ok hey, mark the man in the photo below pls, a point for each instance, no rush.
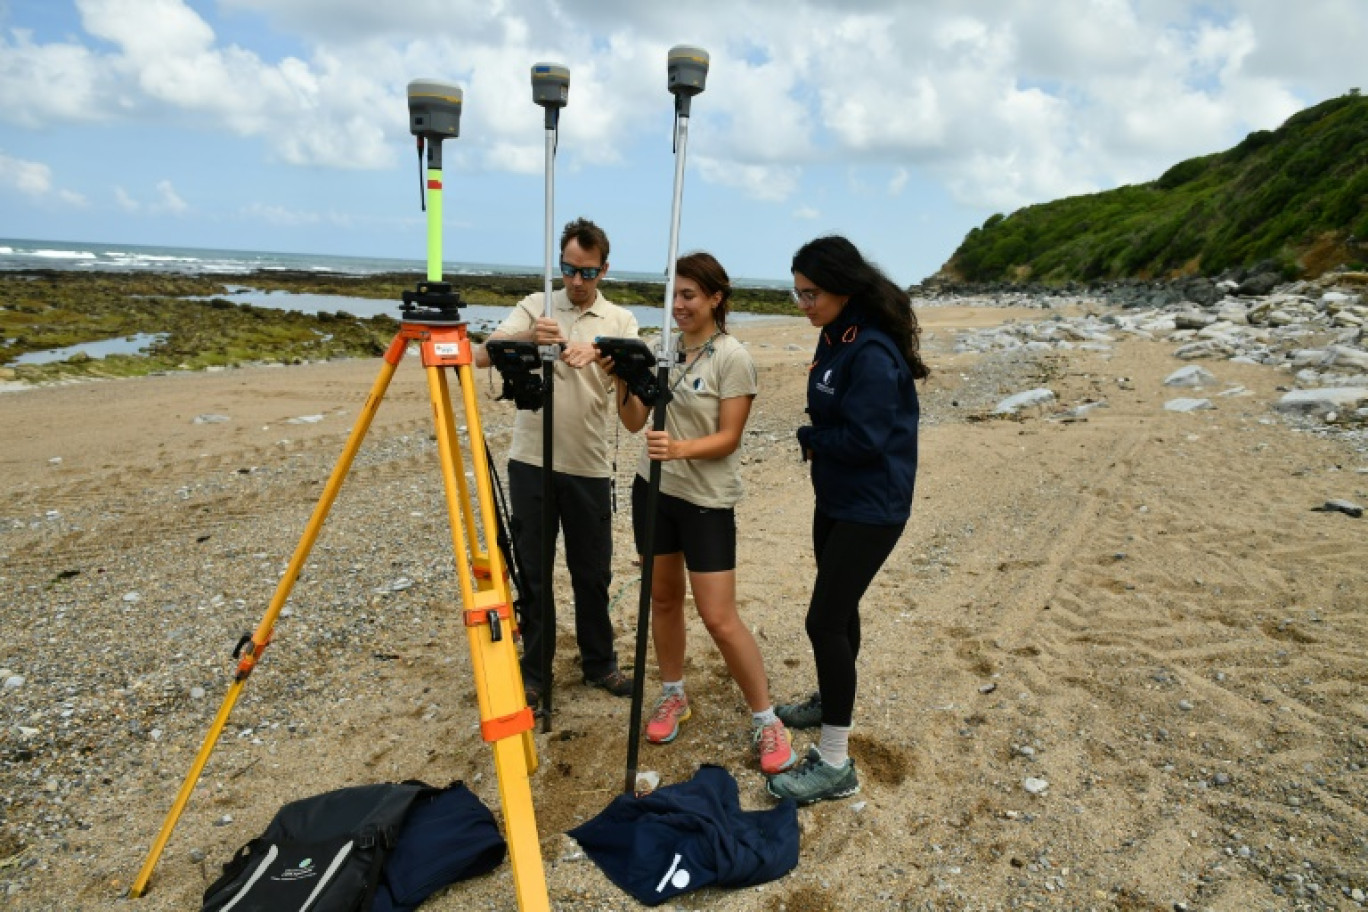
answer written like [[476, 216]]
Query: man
[[584, 400]]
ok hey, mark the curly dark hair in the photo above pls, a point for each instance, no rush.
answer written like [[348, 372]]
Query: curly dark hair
[[704, 269], [837, 266], [588, 235]]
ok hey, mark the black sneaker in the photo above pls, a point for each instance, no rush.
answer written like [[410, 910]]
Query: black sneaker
[[617, 682], [807, 714], [532, 694]]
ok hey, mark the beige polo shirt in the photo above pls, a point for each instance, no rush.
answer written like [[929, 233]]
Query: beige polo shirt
[[583, 413], [725, 372]]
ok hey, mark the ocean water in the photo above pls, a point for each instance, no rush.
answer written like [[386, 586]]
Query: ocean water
[[19, 253]]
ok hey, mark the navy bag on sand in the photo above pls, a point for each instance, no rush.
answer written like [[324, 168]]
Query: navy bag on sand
[[690, 835], [448, 835], [323, 853], [383, 848]]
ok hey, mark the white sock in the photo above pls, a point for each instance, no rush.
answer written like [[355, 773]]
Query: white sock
[[672, 687], [764, 717], [834, 744]]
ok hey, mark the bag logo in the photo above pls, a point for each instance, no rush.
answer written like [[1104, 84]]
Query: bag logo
[[824, 384], [302, 871]]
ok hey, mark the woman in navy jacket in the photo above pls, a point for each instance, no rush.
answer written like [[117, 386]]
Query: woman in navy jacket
[[862, 445]]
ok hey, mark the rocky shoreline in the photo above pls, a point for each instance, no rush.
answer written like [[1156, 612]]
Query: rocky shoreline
[[1313, 331]]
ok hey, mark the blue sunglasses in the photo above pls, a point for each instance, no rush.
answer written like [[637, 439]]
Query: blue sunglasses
[[588, 273]]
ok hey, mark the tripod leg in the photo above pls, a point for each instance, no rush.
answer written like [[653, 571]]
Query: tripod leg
[[251, 650], [505, 719]]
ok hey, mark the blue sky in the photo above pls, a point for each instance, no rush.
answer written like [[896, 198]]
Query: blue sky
[[283, 124]]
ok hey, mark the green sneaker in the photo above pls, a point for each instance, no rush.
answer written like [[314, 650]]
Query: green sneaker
[[807, 714], [815, 780]]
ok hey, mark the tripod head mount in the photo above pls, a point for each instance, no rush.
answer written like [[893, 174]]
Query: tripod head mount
[[687, 68], [433, 304]]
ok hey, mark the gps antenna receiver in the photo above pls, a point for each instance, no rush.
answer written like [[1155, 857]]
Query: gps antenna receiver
[[688, 74]]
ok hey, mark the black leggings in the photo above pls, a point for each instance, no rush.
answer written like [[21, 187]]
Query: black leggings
[[849, 555]]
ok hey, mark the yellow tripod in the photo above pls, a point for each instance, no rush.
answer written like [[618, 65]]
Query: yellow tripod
[[506, 722]]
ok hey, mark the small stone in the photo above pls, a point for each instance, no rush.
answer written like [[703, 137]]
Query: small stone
[[1185, 705], [1034, 785], [197, 693], [14, 682], [647, 781]]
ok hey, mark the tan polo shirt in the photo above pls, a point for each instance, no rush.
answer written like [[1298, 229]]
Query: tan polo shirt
[[584, 415], [725, 372]]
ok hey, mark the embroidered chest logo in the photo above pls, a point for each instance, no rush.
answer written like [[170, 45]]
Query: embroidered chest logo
[[824, 384]]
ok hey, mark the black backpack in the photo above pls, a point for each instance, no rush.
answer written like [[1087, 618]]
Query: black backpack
[[324, 853]]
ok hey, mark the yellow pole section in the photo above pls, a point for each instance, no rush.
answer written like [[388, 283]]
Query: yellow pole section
[[434, 224], [447, 447], [262, 636], [479, 455], [188, 786], [476, 552], [497, 576]]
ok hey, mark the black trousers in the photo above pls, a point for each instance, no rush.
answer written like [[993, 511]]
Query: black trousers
[[582, 509], [849, 556]]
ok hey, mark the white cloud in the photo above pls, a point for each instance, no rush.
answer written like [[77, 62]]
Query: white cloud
[[168, 200], [898, 182], [29, 178], [1006, 101], [165, 201], [42, 84], [126, 202], [807, 213], [279, 216], [762, 182], [34, 180]]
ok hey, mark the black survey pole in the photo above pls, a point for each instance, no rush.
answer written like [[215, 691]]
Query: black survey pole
[[551, 90], [687, 69]]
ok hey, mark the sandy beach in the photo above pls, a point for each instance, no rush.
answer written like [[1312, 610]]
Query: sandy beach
[[1117, 661]]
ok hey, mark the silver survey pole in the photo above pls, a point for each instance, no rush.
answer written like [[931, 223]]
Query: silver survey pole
[[551, 90], [667, 329], [688, 71]]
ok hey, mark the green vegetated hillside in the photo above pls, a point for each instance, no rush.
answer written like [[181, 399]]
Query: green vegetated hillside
[[1297, 196]]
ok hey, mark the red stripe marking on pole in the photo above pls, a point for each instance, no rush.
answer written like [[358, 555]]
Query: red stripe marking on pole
[[434, 184]]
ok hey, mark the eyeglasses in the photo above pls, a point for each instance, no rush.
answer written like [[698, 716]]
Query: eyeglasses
[[807, 296], [588, 273]]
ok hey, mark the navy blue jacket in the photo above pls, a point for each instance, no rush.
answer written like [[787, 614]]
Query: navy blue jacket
[[689, 835], [862, 400]]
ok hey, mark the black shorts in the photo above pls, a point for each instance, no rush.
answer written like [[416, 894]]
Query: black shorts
[[706, 535]]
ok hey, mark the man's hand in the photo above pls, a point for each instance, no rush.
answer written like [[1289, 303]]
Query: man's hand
[[546, 331], [579, 354]]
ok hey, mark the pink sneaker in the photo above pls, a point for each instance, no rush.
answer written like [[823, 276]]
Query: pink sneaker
[[773, 743], [670, 710]]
